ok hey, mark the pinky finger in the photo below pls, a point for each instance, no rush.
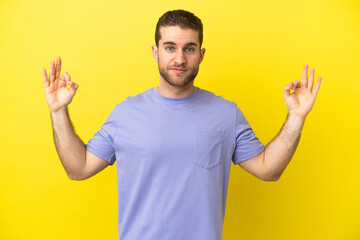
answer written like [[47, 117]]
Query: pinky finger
[[317, 86]]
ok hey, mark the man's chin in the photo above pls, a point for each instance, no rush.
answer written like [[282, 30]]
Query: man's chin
[[179, 83], [177, 80]]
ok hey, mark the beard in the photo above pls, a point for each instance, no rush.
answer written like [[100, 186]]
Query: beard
[[186, 79]]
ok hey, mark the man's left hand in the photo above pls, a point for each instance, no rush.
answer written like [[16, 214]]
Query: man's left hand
[[301, 101]]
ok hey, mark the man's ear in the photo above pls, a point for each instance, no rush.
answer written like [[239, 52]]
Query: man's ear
[[154, 50], [202, 53]]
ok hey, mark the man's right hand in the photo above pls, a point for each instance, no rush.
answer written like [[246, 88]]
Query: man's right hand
[[58, 95]]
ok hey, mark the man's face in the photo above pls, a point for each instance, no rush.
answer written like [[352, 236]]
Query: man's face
[[178, 55]]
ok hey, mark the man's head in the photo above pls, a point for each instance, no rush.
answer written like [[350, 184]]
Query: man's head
[[181, 18], [178, 47]]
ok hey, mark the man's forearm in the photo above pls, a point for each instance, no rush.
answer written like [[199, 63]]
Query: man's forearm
[[280, 150], [69, 146]]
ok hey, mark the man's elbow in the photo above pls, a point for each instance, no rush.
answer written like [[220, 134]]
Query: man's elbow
[[271, 177], [269, 174], [75, 177]]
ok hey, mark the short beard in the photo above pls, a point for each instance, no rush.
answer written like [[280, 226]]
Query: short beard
[[187, 80]]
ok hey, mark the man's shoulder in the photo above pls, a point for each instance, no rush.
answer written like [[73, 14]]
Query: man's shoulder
[[214, 98], [136, 99]]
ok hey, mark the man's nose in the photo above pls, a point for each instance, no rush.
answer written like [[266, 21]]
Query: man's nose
[[180, 58]]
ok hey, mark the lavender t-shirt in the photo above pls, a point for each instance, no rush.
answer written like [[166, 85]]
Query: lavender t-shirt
[[173, 160]]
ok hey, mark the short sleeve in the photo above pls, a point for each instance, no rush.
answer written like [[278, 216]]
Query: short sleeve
[[102, 143], [247, 145]]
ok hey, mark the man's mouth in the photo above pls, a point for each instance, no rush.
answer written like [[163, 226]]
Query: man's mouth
[[178, 70]]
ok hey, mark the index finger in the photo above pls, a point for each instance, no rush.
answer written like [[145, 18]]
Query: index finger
[[58, 67]]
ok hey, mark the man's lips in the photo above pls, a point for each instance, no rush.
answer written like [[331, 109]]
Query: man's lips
[[178, 70]]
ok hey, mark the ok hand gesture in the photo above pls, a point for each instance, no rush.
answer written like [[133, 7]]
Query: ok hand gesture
[[301, 101], [58, 95]]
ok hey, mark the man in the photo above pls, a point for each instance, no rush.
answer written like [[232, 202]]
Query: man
[[174, 143]]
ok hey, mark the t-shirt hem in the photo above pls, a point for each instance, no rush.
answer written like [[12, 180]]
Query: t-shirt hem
[[261, 148], [99, 155]]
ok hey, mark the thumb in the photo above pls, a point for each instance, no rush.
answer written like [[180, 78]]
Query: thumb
[[287, 89], [73, 86]]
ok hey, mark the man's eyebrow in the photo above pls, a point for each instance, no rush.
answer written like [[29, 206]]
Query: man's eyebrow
[[172, 43], [187, 44], [191, 44]]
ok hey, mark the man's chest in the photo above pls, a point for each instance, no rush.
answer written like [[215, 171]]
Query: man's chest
[[171, 137]]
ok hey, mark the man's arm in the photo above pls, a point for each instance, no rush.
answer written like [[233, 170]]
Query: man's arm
[[270, 164], [79, 164]]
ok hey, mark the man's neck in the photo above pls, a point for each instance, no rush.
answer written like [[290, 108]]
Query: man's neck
[[169, 91]]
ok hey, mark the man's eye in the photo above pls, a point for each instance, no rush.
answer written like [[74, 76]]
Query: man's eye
[[169, 48], [189, 49]]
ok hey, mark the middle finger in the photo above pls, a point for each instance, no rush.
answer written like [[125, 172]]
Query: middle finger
[[52, 71], [304, 76], [58, 67], [311, 79]]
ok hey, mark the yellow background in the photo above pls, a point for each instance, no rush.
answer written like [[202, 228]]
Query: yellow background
[[254, 48]]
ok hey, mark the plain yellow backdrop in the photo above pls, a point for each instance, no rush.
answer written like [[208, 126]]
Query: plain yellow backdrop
[[254, 48]]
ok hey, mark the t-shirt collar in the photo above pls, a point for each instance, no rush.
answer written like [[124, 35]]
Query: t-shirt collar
[[174, 100]]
